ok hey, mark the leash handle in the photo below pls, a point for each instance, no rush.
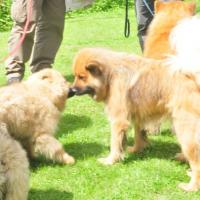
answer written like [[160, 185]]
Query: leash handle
[[127, 22], [24, 33]]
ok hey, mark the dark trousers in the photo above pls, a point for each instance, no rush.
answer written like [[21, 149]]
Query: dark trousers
[[144, 18]]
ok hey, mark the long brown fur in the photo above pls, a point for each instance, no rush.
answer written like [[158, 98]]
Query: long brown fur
[[14, 168], [31, 110], [157, 44], [167, 15], [139, 90]]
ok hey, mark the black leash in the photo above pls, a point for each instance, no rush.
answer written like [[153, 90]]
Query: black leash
[[127, 22]]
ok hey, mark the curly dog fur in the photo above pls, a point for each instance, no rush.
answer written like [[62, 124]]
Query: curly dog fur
[[31, 110], [14, 168]]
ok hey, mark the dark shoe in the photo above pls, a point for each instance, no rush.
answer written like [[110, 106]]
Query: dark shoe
[[13, 80]]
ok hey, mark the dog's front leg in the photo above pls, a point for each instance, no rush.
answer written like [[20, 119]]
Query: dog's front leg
[[118, 139], [52, 149]]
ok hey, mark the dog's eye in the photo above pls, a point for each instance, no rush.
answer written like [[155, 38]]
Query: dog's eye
[[81, 77]]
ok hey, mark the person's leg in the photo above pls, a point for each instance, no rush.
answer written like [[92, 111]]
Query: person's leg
[[144, 17], [49, 34], [15, 64]]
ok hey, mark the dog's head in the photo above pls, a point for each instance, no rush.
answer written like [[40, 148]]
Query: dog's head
[[52, 84], [91, 71]]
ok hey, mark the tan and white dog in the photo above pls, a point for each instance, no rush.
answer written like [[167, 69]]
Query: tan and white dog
[[157, 42], [139, 90]]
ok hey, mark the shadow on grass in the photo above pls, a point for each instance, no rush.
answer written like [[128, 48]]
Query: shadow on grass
[[40, 162], [69, 78], [84, 150], [157, 149], [70, 123], [167, 132], [51, 194]]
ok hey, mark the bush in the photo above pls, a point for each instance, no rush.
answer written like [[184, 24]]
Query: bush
[[5, 19], [104, 5]]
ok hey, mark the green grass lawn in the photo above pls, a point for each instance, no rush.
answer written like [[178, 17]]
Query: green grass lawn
[[85, 133]]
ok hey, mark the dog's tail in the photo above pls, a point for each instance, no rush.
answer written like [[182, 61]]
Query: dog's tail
[[14, 168], [185, 40]]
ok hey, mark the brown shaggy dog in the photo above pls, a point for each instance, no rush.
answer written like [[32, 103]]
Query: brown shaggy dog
[[141, 90], [14, 168], [167, 15], [31, 111], [157, 44]]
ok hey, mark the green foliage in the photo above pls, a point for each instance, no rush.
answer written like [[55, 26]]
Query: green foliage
[[5, 19], [105, 5]]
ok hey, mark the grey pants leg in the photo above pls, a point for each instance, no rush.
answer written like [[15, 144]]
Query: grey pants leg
[[15, 65], [144, 18], [43, 39], [49, 34]]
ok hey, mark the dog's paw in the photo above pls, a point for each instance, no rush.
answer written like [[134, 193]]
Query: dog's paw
[[106, 161], [131, 149], [188, 187], [68, 159], [134, 149]]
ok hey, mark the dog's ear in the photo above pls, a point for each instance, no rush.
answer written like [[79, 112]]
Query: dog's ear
[[46, 75], [192, 7], [158, 5], [94, 69]]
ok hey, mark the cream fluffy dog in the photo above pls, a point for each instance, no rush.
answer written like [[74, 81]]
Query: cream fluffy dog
[[31, 111], [186, 45], [14, 168]]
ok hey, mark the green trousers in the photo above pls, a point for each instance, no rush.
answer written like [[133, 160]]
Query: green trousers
[[43, 38]]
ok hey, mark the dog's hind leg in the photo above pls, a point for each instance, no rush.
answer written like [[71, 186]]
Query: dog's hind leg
[[192, 152], [14, 166], [2, 183], [52, 149], [187, 127], [141, 140]]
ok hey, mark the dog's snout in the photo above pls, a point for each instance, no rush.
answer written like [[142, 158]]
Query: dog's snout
[[71, 92], [80, 91]]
